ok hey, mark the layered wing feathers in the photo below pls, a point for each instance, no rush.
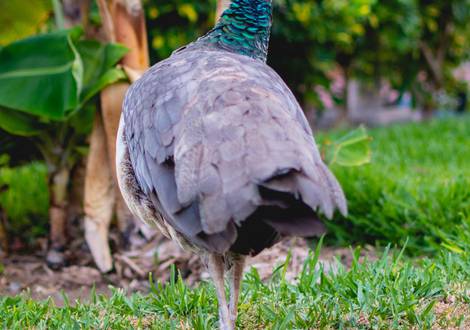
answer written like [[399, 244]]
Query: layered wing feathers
[[206, 129]]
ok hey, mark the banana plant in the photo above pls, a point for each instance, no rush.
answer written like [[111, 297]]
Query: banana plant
[[48, 85]]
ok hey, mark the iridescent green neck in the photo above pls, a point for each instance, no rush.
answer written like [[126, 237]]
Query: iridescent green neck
[[244, 28]]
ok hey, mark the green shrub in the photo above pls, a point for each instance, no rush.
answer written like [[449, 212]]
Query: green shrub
[[417, 187], [26, 200]]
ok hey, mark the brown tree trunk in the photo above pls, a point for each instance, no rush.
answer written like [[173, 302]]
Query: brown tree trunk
[[99, 197], [111, 104], [435, 57], [129, 29], [123, 22]]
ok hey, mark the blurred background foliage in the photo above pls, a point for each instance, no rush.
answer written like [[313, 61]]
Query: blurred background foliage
[[413, 44], [18, 21], [370, 40]]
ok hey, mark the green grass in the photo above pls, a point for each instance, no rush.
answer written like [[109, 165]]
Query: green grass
[[390, 293], [417, 187]]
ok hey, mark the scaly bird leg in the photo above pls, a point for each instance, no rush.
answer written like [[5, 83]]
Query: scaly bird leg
[[236, 276], [215, 265]]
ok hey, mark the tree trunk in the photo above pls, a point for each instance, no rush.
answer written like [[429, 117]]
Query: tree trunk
[[129, 26], [111, 104], [123, 22], [98, 198], [58, 193], [435, 57], [130, 30], [76, 191]]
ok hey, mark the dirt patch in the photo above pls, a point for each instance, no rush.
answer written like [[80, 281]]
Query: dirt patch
[[131, 269], [451, 314]]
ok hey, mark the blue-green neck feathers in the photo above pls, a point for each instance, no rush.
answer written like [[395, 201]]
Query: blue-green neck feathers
[[244, 28]]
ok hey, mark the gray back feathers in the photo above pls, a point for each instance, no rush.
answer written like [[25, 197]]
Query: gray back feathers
[[206, 128]]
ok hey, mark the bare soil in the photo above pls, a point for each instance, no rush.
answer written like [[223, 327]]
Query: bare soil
[[30, 274]]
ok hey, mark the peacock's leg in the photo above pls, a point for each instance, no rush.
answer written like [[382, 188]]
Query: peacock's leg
[[236, 276], [215, 265]]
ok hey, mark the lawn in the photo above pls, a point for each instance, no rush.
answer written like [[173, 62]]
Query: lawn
[[415, 194], [416, 188], [391, 293]]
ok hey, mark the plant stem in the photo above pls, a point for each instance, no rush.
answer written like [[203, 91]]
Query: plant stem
[[58, 184], [3, 233], [58, 14]]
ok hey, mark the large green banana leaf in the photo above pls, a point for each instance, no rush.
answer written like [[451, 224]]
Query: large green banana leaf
[[51, 77], [99, 61], [42, 75], [18, 123]]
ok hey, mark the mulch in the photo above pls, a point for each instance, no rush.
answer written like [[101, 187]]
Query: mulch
[[29, 274]]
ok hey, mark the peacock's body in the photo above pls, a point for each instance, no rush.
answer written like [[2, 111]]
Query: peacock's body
[[214, 149]]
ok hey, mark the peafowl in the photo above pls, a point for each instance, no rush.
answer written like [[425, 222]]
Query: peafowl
[[215, 151]]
